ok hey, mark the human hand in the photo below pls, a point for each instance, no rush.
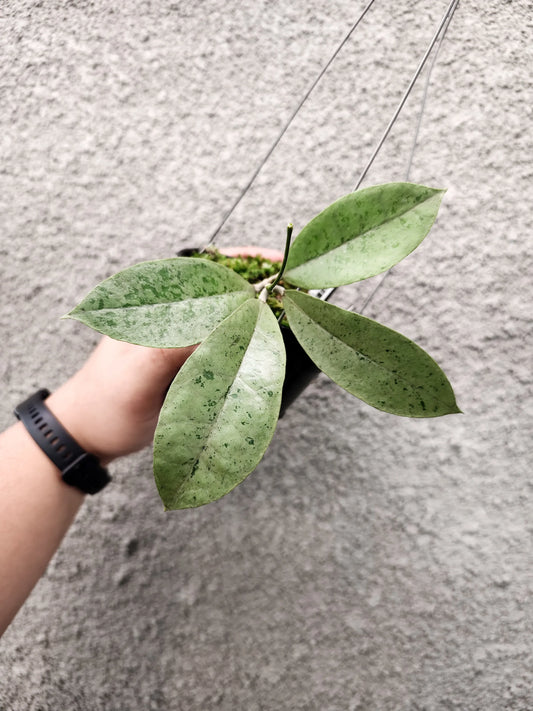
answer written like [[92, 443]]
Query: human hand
[[111, 405]]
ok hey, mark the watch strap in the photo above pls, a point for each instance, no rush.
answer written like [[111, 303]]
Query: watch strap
[[78, 468]]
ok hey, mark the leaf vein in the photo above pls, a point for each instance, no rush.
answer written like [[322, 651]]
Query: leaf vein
[[405, 380]]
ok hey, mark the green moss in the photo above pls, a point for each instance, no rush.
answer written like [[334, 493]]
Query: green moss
[[253, 269]]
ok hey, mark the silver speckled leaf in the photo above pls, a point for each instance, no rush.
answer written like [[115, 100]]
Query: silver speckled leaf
[[362, 234], [167, 303], [221, 410], [370, 361]]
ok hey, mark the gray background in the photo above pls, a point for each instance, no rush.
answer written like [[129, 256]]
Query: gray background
[[370, 562]]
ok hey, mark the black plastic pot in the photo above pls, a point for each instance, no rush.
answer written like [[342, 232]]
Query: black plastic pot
[[300, 369], [299, 372]]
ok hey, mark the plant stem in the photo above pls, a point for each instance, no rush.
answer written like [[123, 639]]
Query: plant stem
[[285, 257]]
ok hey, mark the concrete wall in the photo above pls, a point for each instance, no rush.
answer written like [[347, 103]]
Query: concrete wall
[[370, 562]]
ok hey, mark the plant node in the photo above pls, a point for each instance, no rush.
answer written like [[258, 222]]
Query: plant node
[[264, 283]]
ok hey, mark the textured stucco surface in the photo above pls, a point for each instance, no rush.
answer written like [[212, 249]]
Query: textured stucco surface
[[370, 562]]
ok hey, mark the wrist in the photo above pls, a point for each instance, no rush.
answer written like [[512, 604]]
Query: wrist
[[19, 446], [76, 412], [78, 467]]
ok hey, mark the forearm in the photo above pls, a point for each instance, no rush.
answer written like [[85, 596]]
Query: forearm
[[110, 407], [36, 510]]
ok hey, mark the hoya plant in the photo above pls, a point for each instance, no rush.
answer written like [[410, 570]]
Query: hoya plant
[[221, 410]]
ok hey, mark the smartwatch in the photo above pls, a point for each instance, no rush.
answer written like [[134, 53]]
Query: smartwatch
[[78, 468]]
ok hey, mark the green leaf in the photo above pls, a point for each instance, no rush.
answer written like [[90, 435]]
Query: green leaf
[[221, 410], [370, 361], [362, 234], [165, 303]]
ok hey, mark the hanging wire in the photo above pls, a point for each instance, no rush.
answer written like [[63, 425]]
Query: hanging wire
[[448, 19], [443, 25], [439, 35], [425, 93], [288, 123]]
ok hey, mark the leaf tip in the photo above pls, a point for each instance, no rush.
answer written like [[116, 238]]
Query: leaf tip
[[453, 409]]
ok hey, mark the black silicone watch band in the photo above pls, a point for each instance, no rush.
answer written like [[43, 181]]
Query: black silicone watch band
[[78, 467]]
